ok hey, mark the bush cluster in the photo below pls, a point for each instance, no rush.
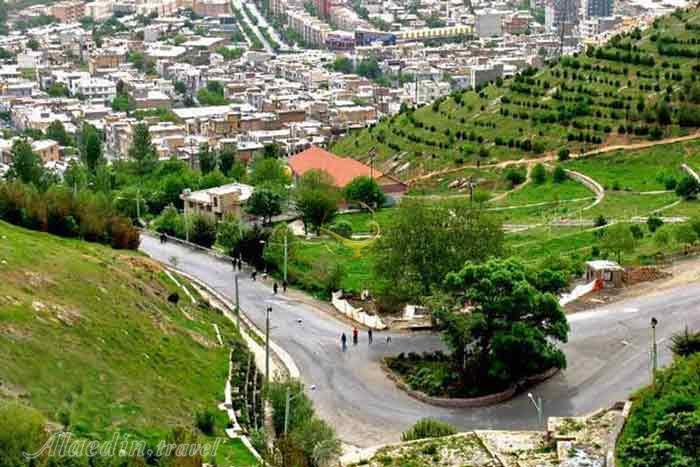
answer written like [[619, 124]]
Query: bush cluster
[[64, 212]]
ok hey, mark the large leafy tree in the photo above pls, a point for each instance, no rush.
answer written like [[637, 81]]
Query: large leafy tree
[[57, 132], [268, 171], [511, 326], [425, 241], [207, 159], [618, 239], [265, 203], [91, 150], [25, 164], [316, 198], [142, 151], [364, 190]]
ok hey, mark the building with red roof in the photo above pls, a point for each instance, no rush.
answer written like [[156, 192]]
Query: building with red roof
[[342, 170]]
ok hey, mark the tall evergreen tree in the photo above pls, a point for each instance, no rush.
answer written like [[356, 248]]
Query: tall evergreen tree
[[142, 151]]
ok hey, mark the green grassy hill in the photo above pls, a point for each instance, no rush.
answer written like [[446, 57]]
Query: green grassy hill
[[89, 338], [641, 86]]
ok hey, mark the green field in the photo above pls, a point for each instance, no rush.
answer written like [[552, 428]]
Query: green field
[[88, 337], [641, 81], [642, 170]]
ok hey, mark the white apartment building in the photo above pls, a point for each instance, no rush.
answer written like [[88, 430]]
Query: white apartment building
[[96, 89], [99, 10], [30, 59]]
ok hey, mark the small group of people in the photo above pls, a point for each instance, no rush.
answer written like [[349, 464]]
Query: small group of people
[[237, 264], [355, 338], [275, 287]]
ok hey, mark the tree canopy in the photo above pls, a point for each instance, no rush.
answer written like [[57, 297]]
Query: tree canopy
[[316, 198], [511, 326], [426, 241]]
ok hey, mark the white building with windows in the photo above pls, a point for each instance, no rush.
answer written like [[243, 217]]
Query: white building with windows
[[96, 89]]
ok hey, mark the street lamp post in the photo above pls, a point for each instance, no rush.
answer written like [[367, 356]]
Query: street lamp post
[[238, 307], [538, 406], [287, 407], [654, 355], [267, 346], [285, 244]]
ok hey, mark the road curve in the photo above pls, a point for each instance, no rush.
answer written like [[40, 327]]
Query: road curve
[[608, 354]]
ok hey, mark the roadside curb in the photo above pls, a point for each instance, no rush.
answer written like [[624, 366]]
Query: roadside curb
[[282, 355], [472, 402]]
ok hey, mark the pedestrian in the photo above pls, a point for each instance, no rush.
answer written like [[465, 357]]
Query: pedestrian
[[344, 342], [388, 339], [284, 286], [354, 336], [274, 288], [240, 264], [369, 335], [253, 274], [233, 263]]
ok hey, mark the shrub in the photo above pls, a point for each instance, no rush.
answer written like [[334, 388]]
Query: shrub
[[637, 231], [564, 154], [688, 187], [559, 175], [123, 234], [515, 176], [428, 428], [654, 222], [205, 422], [202, 230], [342, 228], [685, 343], [539, 174], [600, 221]]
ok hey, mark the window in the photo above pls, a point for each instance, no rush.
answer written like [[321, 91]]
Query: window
[[607, 276]]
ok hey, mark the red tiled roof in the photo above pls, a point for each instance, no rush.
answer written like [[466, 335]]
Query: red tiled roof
[[342, 169]]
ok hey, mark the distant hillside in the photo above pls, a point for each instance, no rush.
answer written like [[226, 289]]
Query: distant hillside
[[89, 338], [638, 87]]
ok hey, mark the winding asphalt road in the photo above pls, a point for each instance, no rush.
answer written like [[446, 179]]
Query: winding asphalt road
[[608, 354]]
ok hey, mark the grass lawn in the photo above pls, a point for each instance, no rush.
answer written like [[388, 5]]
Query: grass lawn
[[486, 179], [362, 221], [310, 256], [87, 336], [548, 191], [643, 170], [539, 214], [234, 453], [623, 205]]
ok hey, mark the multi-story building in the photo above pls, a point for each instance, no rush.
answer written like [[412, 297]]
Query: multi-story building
[[30, 59], [99, 10], [106, 58], [68, 11], [214, 8], [489, 23], [599, 8], [96, 89], [219, 201], [561, 14]]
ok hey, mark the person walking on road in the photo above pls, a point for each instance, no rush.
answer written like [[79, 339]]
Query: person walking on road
[[284, 286], [274, 288], [369, 335], [344, 342], [354, 336], [253, 274]]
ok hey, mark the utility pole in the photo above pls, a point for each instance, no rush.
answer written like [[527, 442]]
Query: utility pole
[[138, 205], [267, 346], [654, 354], [238, 307], [286, 412], [286, 251], [538, 406]]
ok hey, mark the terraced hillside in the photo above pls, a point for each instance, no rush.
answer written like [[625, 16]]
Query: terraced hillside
[[89, 338], [641, 86]]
